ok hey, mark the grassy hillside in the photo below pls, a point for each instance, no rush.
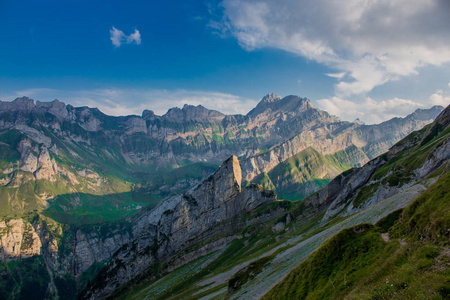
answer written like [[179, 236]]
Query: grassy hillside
[[307, 172], [411, 263]]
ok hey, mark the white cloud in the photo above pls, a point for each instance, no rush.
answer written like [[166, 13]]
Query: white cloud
[[134, 37], [369, 111], [369, 43], [119, 102], [118, 37], [439, 99], [373, 112], [449, 84]]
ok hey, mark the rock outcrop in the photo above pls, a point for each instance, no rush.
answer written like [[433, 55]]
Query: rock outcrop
[[18, 239], [213, 207]]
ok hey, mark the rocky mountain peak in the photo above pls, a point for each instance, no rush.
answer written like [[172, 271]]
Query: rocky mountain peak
[[21, 103], [24, 101], [221, 186], [54, 107], [300, 103], [426, 114], [270, 98], [358, 121], [148, 115], [232, 169], [288, 104]]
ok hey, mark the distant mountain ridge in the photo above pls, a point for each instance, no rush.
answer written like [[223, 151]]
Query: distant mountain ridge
[[137, 149]]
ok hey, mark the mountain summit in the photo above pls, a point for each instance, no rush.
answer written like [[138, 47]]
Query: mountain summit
[[274, 103]]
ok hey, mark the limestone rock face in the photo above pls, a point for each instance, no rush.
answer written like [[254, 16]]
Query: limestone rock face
[[211, 207], [28, 161], [135, 125], [190, 113], [47, 168], [56, 108], [215, 200], [23, 103], [18, 239]]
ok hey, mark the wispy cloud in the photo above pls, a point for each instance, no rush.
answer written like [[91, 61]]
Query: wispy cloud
[[119, 102], [336, 75], [369, 43], [118, 37]]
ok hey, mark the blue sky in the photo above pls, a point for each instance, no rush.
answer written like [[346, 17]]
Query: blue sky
[[370, 62]]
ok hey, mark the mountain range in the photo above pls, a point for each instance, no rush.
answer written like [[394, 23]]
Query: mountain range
[[99, 204], [65, 158]]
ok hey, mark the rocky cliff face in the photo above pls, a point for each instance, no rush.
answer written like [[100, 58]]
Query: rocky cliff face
[[18, 239], [211, 208], [72, 253]]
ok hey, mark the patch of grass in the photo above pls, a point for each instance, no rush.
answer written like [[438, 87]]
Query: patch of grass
[[399, 169]]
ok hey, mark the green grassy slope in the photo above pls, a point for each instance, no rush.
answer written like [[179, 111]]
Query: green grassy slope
[[357, 263], [307, 172]]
